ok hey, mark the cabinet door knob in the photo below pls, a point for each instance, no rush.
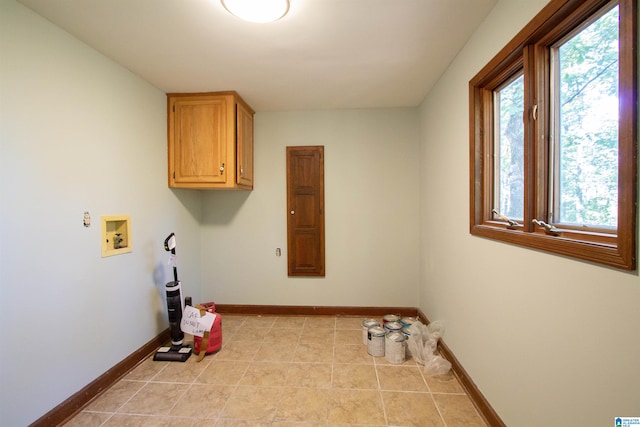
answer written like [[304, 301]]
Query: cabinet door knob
[[293, 212], [222, 168]]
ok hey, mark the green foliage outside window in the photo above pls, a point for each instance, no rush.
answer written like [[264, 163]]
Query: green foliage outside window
[[588, 128]]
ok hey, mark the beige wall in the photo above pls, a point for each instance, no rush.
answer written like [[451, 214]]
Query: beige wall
[[550, 341], [78, 133], [371, 214]]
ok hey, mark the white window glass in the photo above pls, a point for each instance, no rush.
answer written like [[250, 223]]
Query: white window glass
[[509, 150], [586, 168]]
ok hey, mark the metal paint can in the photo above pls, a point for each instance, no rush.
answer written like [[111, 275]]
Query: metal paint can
[[375, 341], [366, 324], [393, 326], [408, 321], [407, 334], [395, 346], [390, 318]]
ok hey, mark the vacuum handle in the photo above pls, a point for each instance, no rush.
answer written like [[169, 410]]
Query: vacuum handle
[[170, 243]]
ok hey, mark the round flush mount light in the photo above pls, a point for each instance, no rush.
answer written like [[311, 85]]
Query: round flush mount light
[[257, 10]]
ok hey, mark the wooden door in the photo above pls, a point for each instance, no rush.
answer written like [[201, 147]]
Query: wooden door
[[244, 172], [305, 210], [198, 140]]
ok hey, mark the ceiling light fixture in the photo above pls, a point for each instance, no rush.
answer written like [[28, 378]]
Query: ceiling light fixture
[[257, 10]]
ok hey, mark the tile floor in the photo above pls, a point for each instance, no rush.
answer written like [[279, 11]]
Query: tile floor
[[283, 371]]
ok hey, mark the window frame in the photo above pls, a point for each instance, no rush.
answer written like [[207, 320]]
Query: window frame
[[529, 52], [497, 142]]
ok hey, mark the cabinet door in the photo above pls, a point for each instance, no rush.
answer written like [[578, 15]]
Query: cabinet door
[[244, 172], [200, 140]]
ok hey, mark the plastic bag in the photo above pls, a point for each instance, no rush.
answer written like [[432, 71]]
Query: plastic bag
[[423, 343], [437, 365]]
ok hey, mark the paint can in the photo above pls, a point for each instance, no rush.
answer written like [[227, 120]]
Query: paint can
[[390, 318], [375, 341], [408, 321], [395, 346], [407, 335], [366, 324], [393, 326]]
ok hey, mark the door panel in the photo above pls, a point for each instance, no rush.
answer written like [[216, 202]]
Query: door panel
[[244, 171], [200, 140], [305, 211]]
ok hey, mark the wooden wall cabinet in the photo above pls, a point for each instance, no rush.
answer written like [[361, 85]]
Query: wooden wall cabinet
[[210, 138]]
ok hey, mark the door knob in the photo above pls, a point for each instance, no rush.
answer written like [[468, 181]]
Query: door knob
[[293, 212]]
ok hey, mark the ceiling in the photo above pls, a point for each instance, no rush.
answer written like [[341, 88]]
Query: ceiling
[[324, 54]]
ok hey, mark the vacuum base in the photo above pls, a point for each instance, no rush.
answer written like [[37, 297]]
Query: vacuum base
[[175, 353]]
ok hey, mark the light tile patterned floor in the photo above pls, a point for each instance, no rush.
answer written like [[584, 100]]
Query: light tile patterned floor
[[283, 371]]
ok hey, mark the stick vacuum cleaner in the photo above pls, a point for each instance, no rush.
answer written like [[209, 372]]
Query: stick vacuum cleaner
[[177, 352]]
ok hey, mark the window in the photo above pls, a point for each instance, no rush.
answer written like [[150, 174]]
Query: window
[[553, 135], [509, 166]]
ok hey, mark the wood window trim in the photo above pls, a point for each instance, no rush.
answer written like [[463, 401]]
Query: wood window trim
[[528, 50]]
